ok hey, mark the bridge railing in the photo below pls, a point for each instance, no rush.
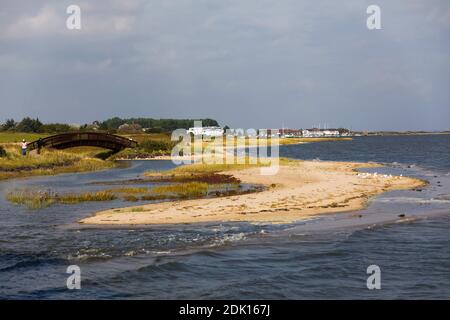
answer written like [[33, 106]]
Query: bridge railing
[[100, 139]]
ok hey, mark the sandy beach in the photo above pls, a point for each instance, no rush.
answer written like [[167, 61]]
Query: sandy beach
[[299, 190]]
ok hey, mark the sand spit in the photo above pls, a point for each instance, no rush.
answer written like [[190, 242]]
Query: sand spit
[[299, 190]]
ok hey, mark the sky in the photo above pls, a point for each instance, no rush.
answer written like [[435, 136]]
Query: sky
[[245, 63]]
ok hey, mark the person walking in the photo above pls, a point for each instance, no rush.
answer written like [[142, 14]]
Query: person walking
[[24, 147], [39, 146]]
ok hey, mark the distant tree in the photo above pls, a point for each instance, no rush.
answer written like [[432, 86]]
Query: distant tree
[[209, 123], [29, 125], [56, 128], [155, 145], [10, 124], [111, 124], [166, 125], [154, 130], [343, 130]]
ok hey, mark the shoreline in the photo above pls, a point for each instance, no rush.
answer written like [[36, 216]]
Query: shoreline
[[300, 190], [282, 142], [91, 164]]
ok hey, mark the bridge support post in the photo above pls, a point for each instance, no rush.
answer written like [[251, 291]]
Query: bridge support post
[[39, 146]]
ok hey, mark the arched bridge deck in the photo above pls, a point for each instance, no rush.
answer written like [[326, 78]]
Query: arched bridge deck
[[78, 139]]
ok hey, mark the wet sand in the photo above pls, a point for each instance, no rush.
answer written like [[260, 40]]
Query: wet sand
[[300, 189]]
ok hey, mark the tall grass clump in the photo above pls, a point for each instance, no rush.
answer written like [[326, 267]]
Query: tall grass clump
[[48, 159], [86, 197], [202, 168], [129, 191], [38, 199], [182, 190], [32, 199]]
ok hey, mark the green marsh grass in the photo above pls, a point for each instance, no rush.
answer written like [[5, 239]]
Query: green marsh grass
[[37, 199], [182, 190], [86, 197], [49, 162], [129, 191], [32, 199], [131, 198]]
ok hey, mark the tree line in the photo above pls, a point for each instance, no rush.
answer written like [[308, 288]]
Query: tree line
[[163, 125], [111, 125], [34, 126]]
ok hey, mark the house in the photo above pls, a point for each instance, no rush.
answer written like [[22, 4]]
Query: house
[[319, 133], [206, 131], [130, 128], [290, 133]]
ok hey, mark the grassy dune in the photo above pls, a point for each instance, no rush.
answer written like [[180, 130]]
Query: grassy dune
[[49, 162]]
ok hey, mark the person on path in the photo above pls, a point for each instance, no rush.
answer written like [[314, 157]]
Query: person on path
[[24, 147]]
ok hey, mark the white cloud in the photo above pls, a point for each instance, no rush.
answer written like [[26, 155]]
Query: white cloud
[[50, 21], [44, 22]]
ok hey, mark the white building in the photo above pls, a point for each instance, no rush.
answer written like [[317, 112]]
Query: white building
[[206, 131], [331, 133], [317, 133]]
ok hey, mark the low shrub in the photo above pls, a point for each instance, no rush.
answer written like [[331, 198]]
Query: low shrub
[[2, 152], [156, 145]]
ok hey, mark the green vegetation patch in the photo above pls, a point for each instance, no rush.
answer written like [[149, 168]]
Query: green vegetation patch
[[129, 191], [38, 199], [150, 146], [32, 199], [182, 190], [49, 162], [210, 178], [16, 137]]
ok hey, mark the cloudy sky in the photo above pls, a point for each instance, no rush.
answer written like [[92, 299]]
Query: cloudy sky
[[246, 63]]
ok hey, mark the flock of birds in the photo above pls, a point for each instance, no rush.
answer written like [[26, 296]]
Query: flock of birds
[[366, 175]]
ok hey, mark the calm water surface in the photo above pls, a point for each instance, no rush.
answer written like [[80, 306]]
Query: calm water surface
[[320, 258]]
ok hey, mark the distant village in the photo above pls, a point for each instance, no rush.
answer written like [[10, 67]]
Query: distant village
[[267, 133], [211, 128], [216, 131]]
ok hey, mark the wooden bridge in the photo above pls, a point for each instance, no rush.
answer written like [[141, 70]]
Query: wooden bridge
[[78, 139]]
